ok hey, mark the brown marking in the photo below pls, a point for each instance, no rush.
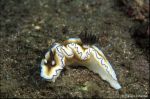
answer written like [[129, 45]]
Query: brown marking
[[75, 58], [53, 57], [49, 61]]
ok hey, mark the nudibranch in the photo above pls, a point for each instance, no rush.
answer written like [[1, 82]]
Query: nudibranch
[[75, 50]]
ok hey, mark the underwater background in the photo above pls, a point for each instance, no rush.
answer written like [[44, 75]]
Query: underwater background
[[29, 27]]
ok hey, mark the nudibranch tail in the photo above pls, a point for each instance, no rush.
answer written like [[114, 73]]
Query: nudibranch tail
[[74, 51], [100, 65]]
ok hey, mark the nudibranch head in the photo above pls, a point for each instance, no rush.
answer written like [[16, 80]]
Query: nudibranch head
[[49, 63], [78, 51]]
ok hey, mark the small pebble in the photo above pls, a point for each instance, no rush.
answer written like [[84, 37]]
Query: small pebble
[[37, 27]]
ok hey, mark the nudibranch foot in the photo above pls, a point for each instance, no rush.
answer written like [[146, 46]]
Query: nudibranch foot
[[75, 51]]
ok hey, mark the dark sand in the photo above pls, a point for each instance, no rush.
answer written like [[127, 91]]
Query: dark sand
[[28, 28]]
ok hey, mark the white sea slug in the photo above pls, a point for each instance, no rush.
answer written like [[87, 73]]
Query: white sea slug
[[76, 50]]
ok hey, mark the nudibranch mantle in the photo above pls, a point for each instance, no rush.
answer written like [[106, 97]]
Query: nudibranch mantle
[[73, 51]]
